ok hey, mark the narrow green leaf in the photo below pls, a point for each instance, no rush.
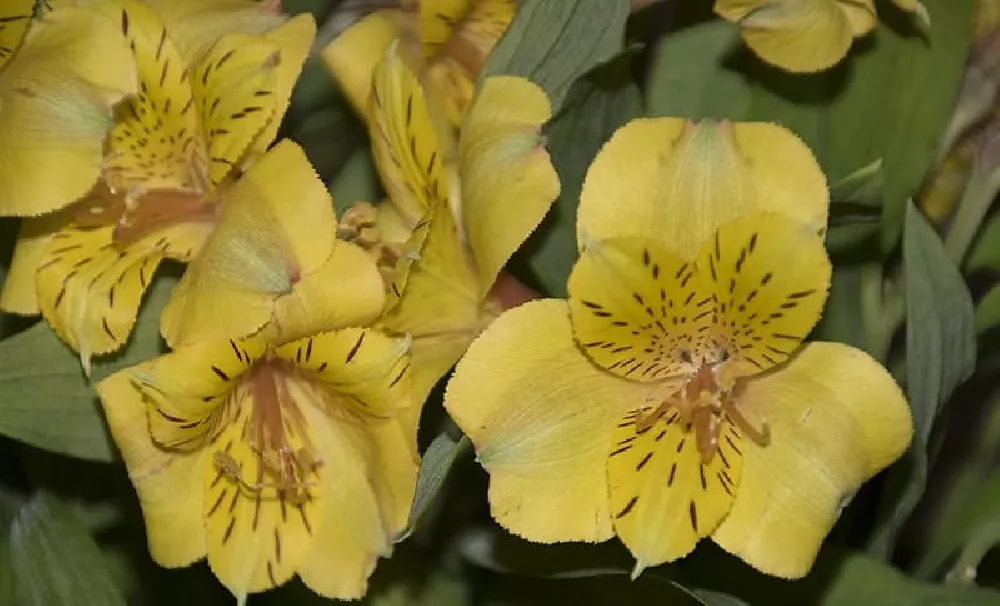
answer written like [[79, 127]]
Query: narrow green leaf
[[985, 253], [53, 560], [441, 454], [555, 43], [46, 401], [988, 310], [595, 107], [940, 354], [890, 99], [863, 187]]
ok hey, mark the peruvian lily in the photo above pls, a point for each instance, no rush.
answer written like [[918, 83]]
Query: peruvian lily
[[271, 461], [449, 39], [671, 398], [273, 263], [60, 77], [174, 151], [806, 35], [468, 216]]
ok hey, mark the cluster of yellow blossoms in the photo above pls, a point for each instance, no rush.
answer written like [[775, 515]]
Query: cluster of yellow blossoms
[[669, 399]]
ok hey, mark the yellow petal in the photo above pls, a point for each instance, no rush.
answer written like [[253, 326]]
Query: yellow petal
[[235, 90], [257, 536], [639, 311], [20, 291], [293, 39], [508, 181], [89, 291], [676, 182], [769, 279], [186, 392], [440, 307], [196, 24], [369, 456], [664, 497], [541, 417], [157, 140], [15, 16], [346, 291], [57, 96], [367, 371], [168, 484], [798, 35], [409, 149], [836, 418], [366, 494], [457, 36], [754, 292], [353, 55], [257, 252]]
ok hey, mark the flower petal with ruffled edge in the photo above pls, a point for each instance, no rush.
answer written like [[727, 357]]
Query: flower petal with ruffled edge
[[58, 93], [675, 181], [507, 179], [837, 418], [541, 417], [277, 228]]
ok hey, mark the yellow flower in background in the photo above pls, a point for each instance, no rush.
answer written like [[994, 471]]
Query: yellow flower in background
[[175, 149], [449, 39], [59, 87], [671, 398], [469, 215], [274, 263], [806, 35], [271, 462]]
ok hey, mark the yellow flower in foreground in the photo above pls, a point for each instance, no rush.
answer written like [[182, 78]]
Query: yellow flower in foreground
[[805, 35], [502, 186], [453, 37], [58, 90], [271, 461], [670, 398], [274, 263], [173, 153]]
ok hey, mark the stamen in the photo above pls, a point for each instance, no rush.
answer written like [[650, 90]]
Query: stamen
[[707, 425], [762, 436]]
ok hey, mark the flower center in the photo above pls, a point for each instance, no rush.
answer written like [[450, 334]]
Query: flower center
[[706, 406], [276, 433]]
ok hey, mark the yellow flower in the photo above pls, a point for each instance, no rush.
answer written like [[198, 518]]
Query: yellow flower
[[58, 88], [271, 462], [274, 263], [170, 159], [805, 35], [670, 398], [450, 39], [470, 215]]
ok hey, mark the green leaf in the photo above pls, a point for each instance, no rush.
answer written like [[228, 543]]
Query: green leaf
[[555, 43], [940, 354], [714, 598], [357, 182], [52, 560], [46, 401], [985, 253], [855, 208], [863, 187], [889, 100], [595, 107], [434, 467], [988, 310], [838, 578]]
